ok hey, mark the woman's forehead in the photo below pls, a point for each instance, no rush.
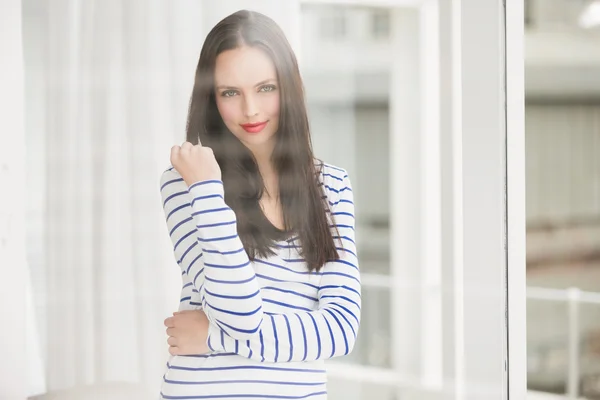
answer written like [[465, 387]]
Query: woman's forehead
[[243, 67]]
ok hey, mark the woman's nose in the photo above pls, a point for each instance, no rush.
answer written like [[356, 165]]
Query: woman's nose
[[250, 107]]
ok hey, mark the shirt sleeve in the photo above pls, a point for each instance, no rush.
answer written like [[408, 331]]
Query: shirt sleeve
[[187, 294], [203, 231], [327, 332]]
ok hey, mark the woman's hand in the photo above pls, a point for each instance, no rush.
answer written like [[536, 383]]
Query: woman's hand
[[188, 332], [195, 163]]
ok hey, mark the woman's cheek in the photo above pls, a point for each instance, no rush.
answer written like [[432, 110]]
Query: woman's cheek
[[273, 105], [227, 110], [230, 114]]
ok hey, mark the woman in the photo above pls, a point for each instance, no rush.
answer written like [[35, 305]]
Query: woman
[[263, 233]]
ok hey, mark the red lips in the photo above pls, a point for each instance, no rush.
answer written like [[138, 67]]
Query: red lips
[[254, 128]]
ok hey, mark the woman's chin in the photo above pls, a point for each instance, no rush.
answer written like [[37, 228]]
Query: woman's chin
[[259, 141]]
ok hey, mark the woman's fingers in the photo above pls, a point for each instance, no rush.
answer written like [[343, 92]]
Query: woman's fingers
[[186, 146]]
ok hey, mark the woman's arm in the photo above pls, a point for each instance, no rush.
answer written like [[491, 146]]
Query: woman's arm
[[327, 332], [203, 231]]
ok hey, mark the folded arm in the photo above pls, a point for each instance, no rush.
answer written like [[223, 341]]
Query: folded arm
[[203, 231], [327, 332]]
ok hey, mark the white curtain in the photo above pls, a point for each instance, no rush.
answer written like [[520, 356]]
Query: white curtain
[[14, 302], [107, 88]]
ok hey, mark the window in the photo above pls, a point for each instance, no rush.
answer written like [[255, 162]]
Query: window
[[380, 24]]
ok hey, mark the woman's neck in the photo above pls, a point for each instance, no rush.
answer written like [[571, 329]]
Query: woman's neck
[[267, 170], [268, 173], [270, 179]]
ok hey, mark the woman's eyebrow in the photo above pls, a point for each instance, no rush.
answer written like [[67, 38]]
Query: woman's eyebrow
[[220, 87], [265, 81]]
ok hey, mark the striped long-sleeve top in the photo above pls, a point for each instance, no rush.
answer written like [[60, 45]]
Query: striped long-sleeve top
[[272, 322]]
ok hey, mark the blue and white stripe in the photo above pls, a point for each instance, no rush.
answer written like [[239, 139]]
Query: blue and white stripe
[[272, 322]]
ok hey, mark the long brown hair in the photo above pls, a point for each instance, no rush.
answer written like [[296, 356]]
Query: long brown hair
[[305, 207]]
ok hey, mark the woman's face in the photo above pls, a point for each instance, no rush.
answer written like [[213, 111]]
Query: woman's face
[[247, 96]]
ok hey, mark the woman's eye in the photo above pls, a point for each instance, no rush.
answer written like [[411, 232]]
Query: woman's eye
[[228, 93], [267, 88]]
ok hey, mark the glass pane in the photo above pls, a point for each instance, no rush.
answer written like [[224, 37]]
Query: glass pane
[[373, 345], [562, 116], [103, 109], [332, 126], [348, 102], [547, 342], [348, 79], [589, 342]]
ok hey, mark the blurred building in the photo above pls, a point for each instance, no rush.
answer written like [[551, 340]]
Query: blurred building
[[563, 193]]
